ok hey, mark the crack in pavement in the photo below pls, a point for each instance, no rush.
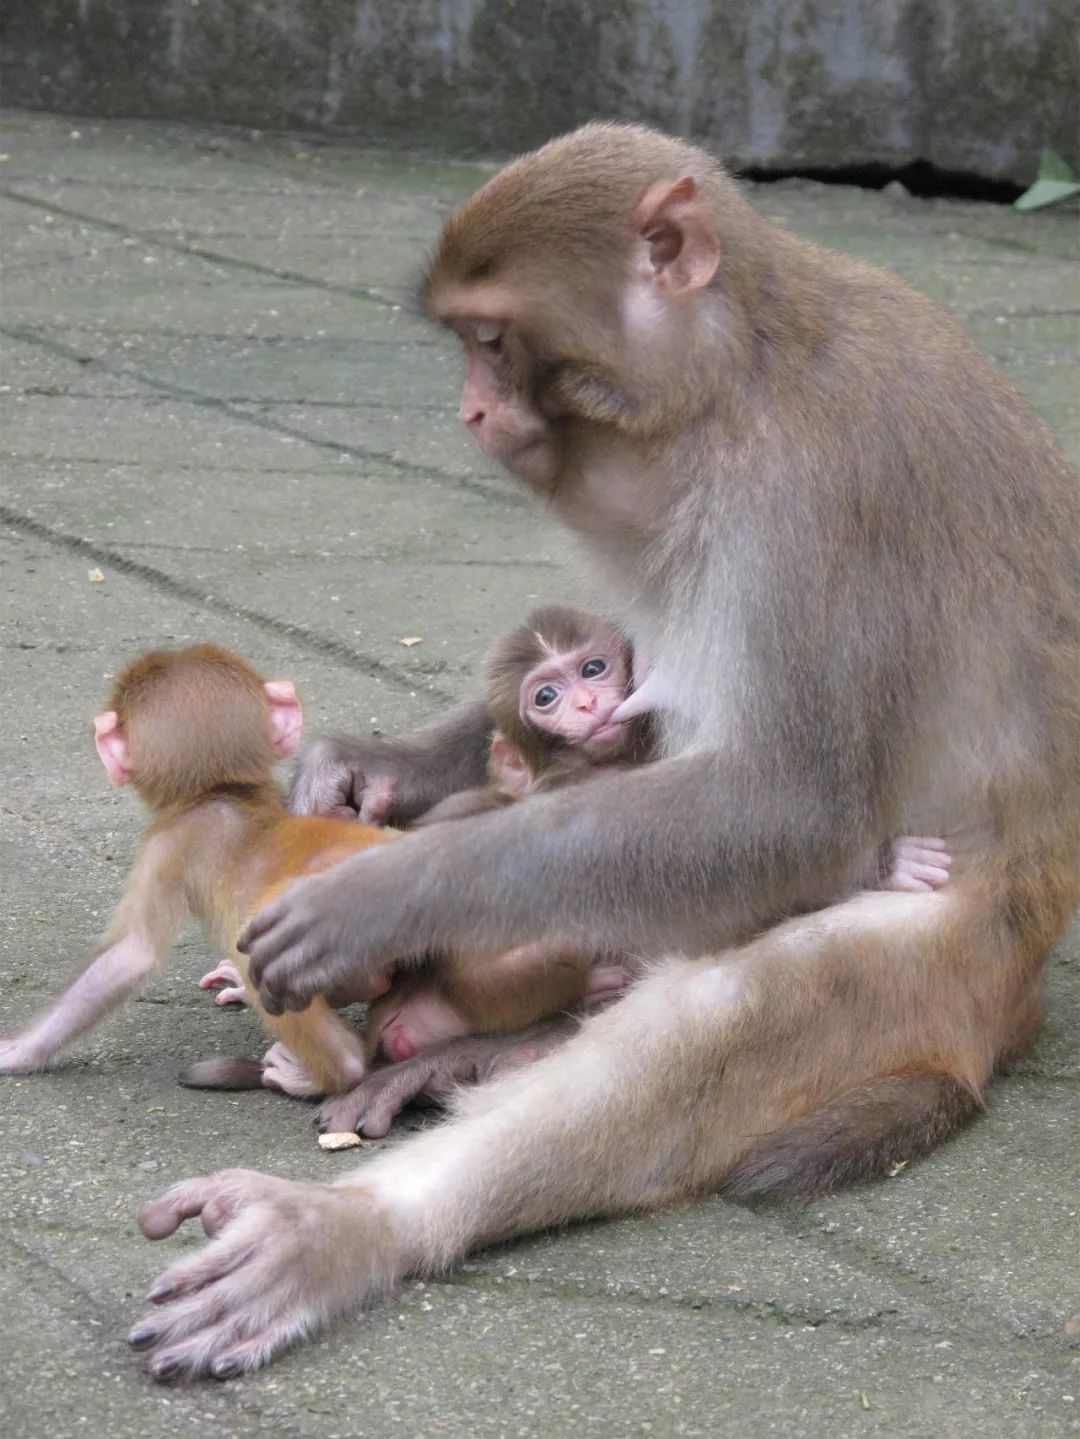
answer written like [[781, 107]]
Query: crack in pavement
[[200, 252], [184, 394], [302, 635], [190, 1401]]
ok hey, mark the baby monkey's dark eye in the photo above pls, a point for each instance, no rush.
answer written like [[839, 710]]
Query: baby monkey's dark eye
[[591, 668], [545, 697]]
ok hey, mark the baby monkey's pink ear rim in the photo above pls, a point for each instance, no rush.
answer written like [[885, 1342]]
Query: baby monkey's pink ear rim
[[286, 716], [112, 747]]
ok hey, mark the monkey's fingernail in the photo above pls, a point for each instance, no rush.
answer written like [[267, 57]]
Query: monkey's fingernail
[[165, 1368], [142, 1338], [160, 1292], [225, 1368]]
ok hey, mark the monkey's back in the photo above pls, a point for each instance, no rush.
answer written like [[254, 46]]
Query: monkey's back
[[299, 845]]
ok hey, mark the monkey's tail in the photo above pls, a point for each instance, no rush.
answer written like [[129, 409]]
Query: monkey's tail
[[854, 1138], [222, 1073]]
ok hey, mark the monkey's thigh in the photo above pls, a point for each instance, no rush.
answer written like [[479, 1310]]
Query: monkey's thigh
[[505, 992]]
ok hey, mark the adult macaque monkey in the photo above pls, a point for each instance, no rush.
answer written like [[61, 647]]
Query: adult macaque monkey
[[197, 732], [858, 549]]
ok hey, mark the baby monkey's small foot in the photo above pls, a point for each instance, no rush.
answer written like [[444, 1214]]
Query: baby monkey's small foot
[[281, 1070], [225, 973], [605, 981]]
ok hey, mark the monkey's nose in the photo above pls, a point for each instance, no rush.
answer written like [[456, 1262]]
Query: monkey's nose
[[471, 413]]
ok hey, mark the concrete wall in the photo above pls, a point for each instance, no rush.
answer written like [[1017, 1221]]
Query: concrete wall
[[975, 86]]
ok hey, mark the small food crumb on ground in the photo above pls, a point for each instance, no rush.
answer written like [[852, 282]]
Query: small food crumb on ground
[[346, 1140]]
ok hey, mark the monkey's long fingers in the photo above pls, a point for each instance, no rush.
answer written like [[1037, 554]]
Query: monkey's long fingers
[[372, 1106], [323, 784], [261, 927], [292, 1257], [216, 1197]]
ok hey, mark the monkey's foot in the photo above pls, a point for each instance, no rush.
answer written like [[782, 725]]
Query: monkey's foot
[[919, 865], [424, 1020], [283, 1260], [226, 973], [605, 981], [372, 1106], [282, 1070], [17, 1056]]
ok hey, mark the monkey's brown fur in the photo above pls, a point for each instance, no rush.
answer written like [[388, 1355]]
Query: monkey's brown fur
[[221, 843], [859, 550]]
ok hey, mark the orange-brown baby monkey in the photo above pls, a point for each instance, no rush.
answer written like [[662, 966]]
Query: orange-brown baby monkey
[[197, 732]]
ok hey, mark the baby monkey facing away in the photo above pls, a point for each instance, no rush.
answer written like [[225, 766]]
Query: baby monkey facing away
[[197, 732]]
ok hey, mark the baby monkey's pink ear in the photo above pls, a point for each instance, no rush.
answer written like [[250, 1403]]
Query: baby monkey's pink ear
[[508, 766], [286, 717], [111, 744]]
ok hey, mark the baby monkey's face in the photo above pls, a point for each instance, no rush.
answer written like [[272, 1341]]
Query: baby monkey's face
[[573, 695]]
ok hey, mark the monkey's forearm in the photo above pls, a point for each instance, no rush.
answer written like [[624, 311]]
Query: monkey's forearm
[[670, 856], [441, 759], [686, 854], [408, 775]]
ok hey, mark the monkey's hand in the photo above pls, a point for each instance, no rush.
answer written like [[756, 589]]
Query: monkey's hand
[[283, 1260], [338, 929], [372, 1106], [338, 777], [379, 780]]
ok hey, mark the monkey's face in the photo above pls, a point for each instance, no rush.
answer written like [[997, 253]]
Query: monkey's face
[[497, 403], [574, 695]]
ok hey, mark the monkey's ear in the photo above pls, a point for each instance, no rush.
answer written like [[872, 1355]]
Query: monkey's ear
[[286, 717], [681, 249], [110, 741], [508, 766]]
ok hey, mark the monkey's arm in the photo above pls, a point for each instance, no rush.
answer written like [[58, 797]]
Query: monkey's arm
[[466, 803], [151, 914], [394, 780], [683, 854]]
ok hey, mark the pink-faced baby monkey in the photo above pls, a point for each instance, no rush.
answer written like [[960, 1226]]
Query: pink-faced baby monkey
[[552, 687]]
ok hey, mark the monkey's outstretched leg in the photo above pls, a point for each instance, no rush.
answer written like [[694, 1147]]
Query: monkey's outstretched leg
[[142, 931], [694, 1073]]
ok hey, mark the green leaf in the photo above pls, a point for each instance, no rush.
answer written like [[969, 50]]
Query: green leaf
[[1047, 192], [1053, 167]]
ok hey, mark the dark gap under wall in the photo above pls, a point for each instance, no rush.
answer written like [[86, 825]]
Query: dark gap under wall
[[920, 177]]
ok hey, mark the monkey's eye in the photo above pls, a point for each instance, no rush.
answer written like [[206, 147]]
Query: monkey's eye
[[592, 668], [545, 697], [490, 335]]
